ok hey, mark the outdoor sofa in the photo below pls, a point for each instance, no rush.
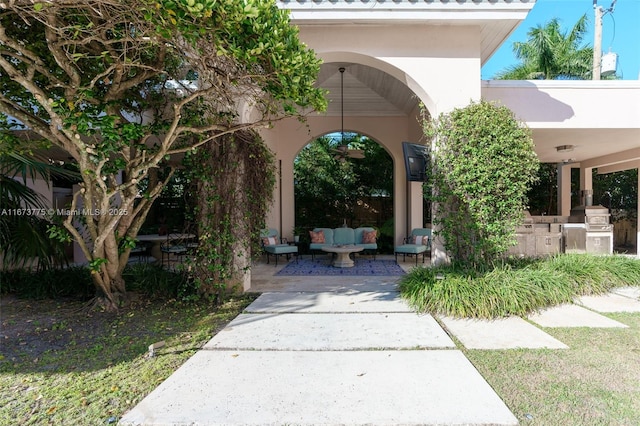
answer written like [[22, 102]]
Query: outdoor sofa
[[365, 237]]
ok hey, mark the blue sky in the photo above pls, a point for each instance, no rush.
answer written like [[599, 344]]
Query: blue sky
[[620, 32]]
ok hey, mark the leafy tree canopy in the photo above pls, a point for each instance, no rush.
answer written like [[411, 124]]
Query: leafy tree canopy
[[618, 191], [123, 86], [327, 189]]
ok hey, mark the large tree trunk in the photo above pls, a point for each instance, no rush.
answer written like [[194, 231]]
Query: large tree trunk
[[107, 278], [103, 235]]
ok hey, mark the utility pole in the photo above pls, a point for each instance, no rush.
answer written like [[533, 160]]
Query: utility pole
[[597, 41], [597, 37]]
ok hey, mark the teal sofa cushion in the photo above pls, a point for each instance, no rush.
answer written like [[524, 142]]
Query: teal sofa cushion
[[344, 236]]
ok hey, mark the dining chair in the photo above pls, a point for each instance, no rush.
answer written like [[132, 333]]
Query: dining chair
[[175, 246]]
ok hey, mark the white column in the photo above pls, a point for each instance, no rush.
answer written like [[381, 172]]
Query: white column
[[564, 189], [288, 199], [586, 180], [415, 202]]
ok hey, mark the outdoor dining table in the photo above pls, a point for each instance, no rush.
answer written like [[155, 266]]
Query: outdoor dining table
[[157, 240]]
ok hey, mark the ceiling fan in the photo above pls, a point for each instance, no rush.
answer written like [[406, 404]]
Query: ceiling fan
[[342, 151]]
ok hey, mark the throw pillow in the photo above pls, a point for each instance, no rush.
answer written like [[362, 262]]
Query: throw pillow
[[269, 241], [421, 240], [317, 237], [369, 237]]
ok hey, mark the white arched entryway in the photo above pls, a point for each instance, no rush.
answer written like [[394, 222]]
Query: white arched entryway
[[383, 97]]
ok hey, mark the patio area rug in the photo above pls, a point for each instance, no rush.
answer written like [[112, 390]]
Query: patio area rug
[[307, 267]]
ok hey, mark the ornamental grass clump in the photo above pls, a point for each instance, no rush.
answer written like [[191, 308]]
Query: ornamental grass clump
[[595, 274], [515, 287]]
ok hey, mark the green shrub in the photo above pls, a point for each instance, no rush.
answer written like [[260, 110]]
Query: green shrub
[[155, 281], [149, 279], [48, 283], [515, 287], [484, 163]]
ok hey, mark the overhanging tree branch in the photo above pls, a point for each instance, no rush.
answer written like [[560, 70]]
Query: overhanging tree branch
[[125, 85]]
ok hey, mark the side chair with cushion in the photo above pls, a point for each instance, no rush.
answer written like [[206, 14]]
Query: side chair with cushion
[[192, 245], [272, 244], [419, 242], [140, 252]]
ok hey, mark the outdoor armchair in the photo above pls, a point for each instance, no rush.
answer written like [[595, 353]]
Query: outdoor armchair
[[419, 242], [272, 244]]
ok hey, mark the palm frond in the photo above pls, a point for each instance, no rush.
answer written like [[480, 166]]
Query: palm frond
[[14, 164], [23, 230], [550, 53]]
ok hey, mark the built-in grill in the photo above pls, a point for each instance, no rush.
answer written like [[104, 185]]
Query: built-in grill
[[589, 229], [536, 237]]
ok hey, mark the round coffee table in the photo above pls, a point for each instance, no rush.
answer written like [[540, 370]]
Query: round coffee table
[[342, 259]]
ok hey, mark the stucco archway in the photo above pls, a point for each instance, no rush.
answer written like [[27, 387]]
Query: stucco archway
[[357, 191], [389, 120]]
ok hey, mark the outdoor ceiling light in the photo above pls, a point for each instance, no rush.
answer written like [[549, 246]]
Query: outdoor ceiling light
[[342, 150], [564, 148]]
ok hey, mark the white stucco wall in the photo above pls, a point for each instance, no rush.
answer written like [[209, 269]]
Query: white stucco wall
[[441, 65], [569, 104]]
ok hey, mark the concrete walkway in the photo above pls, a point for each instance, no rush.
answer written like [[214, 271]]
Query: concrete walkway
[[326, 358], [345, 350]]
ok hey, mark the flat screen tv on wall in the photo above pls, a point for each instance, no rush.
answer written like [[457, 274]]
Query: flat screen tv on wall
[[416, 159]]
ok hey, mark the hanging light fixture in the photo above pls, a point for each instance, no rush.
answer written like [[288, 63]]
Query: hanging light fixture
[[343, 151], [342, 70]]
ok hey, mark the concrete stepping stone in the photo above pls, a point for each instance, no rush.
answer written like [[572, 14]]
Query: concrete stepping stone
[[610, 303], [573, 316], [631, 292], [329, 302], [505, 333], [313, 332], [323, 388]]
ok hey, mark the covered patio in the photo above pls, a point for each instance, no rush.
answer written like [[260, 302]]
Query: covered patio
[[401, 55]]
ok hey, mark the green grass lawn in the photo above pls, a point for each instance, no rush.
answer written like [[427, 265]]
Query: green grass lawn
[[61, 365], [594, 382], [65, 367]]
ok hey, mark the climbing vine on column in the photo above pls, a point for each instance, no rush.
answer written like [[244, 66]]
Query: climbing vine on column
[[234, 181]]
